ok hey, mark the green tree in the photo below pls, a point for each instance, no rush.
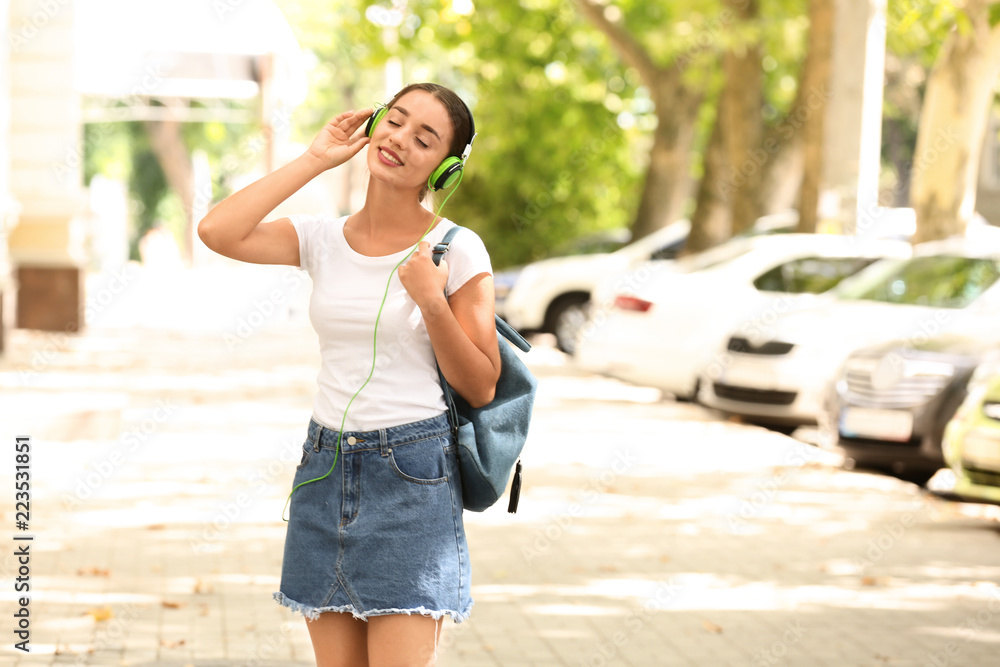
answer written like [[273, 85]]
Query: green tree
[[558, 120], [659, 41], [740, 70]]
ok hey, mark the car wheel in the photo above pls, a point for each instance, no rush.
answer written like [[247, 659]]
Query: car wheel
[[692, 396], [567, 318], [783, 429], [915, 475]]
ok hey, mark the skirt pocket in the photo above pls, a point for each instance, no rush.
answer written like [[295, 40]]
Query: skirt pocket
[[307, 450], [421, 462]]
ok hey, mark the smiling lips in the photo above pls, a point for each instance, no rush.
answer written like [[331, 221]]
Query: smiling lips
[[390, 157]]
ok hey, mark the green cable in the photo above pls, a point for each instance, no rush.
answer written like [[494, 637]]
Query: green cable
[[371, 373]]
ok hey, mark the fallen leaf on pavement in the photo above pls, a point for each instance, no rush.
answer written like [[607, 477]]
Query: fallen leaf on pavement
[[101, 613], [711, 627], [93, 572]]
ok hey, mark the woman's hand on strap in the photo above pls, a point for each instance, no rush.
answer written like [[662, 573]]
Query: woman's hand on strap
[[423, 281]]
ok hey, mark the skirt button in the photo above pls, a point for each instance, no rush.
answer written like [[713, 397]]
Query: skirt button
[[351, 440]]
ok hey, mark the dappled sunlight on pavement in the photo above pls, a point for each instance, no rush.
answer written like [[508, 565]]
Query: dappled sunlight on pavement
[[649, 532]]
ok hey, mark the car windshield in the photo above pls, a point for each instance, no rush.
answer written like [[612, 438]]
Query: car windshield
[[713, 257], [935, 281]]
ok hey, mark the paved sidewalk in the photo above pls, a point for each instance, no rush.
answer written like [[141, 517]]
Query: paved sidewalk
[[649, 533]]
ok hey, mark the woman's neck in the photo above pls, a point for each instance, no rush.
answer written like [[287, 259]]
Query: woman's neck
[[390, 216]]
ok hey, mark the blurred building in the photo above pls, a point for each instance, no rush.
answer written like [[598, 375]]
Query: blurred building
[[8, 207], [44, 239], [72, 62]]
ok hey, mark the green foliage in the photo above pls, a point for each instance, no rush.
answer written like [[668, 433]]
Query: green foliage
[[552, 161], [147, 186], [107, 150], [232, 149], [916, 29], [121, 151]]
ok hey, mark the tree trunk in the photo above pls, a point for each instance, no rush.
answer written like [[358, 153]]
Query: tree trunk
[[711, 223], [668, 181], [952, 124], [172, 154], [668, 178], [741, 103], [781, 176], [815, 76], [896, 154]]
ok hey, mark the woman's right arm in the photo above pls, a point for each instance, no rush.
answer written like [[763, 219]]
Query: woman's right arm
[[233, 227]]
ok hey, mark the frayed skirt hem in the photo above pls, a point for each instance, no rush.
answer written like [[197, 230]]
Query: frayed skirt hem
[[314, 612]]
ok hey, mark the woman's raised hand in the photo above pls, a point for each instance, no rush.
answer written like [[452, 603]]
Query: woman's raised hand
[[339, 141]]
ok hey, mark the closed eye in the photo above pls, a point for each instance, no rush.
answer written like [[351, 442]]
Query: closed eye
[[419, 140]]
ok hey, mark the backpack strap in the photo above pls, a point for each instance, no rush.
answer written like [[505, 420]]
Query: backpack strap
[[442, 247], [503, 328]]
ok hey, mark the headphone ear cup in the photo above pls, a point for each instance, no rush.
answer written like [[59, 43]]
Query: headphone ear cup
[[374, 119], [445, 174]]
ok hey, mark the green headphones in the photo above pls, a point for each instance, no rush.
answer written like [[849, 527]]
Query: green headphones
[[446, 173]]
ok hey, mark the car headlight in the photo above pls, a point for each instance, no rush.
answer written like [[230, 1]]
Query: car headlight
[[984, 373], [915, 367]]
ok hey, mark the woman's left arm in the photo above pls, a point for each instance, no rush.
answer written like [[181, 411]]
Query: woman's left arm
[[461, 327]]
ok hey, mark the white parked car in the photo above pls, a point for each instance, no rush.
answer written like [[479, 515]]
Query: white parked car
[[781, 378], [554, 295], [551, 295], [598, 243], [664, 327]]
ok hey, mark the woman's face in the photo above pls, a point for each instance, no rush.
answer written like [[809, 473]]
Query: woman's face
[[410, 141]]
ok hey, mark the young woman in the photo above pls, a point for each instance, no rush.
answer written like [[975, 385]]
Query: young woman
[[375, 553]]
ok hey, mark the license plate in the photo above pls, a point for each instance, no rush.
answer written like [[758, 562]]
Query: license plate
[[746, 375], [981, 453], [876, 424]]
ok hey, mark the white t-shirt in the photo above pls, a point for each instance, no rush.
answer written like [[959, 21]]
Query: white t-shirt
[[347, 291]]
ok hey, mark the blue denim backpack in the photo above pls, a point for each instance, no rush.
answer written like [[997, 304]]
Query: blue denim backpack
[[490, 438]]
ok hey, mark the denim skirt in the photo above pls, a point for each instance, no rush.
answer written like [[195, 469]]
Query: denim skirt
[[383, 533]]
